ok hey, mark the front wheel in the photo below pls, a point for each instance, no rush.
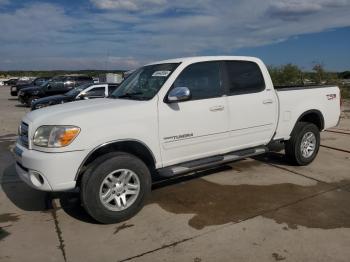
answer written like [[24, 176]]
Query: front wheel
[[30, 100], [303, 145], [114, 187]]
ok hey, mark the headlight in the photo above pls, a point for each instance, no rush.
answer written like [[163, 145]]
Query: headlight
[[55, 136], [35, 92]]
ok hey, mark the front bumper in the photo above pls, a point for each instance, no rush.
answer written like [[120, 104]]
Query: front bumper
[[22, 98], [14, 91], [48, 171]]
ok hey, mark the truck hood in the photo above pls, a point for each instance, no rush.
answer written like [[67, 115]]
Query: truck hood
[[100, 120], [30, 88], [82, 112]]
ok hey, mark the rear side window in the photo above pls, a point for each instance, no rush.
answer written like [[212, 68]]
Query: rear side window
[[202, 79], [244, 77]]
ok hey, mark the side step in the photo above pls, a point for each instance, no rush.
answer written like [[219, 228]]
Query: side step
[[209, 162]]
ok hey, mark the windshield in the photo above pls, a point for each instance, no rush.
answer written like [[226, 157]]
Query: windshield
[[45, 83], [144, 83], [76, 90]]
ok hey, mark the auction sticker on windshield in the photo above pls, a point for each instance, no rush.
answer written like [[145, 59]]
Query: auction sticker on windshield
[[161, 73]]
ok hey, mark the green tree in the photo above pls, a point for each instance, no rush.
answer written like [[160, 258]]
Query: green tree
[[318, 68], [288, 74]]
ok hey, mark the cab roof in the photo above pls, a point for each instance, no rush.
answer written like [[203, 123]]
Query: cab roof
[[196, 59]]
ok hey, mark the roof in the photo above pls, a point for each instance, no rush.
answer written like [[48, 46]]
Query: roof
[[195, 59], [105, 83]]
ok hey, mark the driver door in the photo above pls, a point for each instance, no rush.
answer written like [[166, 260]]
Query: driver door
[[199, 127]]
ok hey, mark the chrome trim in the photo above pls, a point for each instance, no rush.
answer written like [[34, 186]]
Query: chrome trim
[[108, 143], [178, 94]]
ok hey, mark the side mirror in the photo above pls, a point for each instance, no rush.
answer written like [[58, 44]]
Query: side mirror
[[179, 94]]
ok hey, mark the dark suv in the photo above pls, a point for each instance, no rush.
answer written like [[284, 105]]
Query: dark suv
[[55, 86], [20, 85], [11, 82]]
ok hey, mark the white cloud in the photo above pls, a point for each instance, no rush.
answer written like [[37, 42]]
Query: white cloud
[[129, 5], [124, 34], [293, 9]]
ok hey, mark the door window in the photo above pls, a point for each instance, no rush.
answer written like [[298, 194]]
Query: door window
[[96, 92], [202, 79], [244, 77]]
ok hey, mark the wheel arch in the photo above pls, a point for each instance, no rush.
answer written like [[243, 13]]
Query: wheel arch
[[313, 116], [134, 147]]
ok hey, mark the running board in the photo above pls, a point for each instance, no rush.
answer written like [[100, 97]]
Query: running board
[[209, 162]]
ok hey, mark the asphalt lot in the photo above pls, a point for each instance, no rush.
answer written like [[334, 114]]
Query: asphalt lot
[[254, 210]]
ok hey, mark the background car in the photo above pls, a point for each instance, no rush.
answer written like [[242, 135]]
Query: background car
[[23, 84], [55, 86], [11, 82], [85, 91]]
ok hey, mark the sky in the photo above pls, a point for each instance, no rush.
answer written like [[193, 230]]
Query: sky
[[125, 34]]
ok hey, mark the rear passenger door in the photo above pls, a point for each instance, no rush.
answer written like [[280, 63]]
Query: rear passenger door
[[253, 106], [196, 128]]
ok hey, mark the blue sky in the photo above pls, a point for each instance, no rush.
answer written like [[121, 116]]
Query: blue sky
[[124, 34]]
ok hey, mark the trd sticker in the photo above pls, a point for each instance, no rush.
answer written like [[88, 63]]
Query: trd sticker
[[178, 137], [331, 96]]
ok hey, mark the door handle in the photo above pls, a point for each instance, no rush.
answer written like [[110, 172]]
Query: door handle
[[216, 108], [268, 101]]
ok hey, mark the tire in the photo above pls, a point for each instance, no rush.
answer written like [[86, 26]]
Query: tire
[[30, 100], [93, 187], [293, 147]]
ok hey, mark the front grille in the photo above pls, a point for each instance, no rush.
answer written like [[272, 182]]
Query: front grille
[[23, 134]]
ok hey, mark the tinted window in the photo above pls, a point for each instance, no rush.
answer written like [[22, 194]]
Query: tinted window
[[244, 77], [96, 92], [203, 80], [83, 78], [112, 88], [68, 78], [39, 81], [76, 90]]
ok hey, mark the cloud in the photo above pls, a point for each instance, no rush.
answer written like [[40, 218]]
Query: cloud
[[294, 9], [4, 2], [124, 34], [128, 5]]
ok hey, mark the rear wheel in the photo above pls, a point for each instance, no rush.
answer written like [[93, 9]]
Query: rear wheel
[[114, 187], [303, 145]]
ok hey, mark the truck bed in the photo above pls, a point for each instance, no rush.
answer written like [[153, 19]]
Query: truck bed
[[296, 100]]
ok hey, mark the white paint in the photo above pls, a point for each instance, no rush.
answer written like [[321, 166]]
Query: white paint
[[243, 121]]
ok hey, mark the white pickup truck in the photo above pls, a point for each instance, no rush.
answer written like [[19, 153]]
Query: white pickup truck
[[169, 118]]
